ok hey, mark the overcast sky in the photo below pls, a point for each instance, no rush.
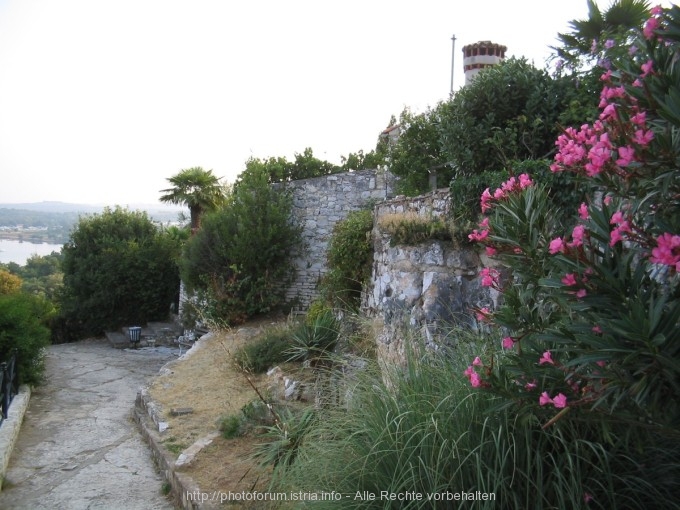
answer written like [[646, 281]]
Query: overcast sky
[[102, 100]]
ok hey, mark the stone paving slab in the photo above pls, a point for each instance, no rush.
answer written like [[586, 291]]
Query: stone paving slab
[[78, 447]]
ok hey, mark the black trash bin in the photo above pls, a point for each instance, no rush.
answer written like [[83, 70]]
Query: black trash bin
[[135, 334]]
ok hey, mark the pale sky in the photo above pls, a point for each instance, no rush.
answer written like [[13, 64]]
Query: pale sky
[[102, 100]]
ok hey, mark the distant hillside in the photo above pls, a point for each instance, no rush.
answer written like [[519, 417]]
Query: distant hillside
[[50, 206], [53, 221], [53, 207]]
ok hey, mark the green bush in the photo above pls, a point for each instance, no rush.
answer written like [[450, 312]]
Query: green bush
[[241, 256], [23, 325], [119, 269], [232, 425], [349, 256], [262, 353]]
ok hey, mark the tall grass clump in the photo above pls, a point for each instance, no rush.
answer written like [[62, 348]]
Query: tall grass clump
[[424, 431]]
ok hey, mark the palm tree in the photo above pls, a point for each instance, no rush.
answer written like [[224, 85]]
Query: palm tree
[[196, 188], [618, 20]]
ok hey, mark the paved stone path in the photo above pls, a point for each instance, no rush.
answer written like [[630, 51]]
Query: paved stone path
[[78, 447]]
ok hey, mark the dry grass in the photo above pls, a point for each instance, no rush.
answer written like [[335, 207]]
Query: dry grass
[[207, 380]]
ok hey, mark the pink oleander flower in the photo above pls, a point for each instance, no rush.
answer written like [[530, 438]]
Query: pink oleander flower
[[484, 223], [617, 218], [583, 211], [478, 235], [477, 362], [647, 68], [482, 314], [626, 156], [577, 236], [469, 371], [475, 380], [587, 497], [643, 137], [597, 329], [601, 363], [639, 118], [637, 83], [508, 342], [489, 277], [486, 200], [544, 399], [609, 43], [560, 401], [556, 246], [581, 293], [650, 26], [569, 279], [499, 193], [667, 250], [617, 233], [531, 385], [607, 200], [525, 181], [490, 251], [546, 358], [657, 10], [609, 112]]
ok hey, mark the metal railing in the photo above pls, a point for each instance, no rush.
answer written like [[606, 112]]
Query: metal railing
[[8, 383]]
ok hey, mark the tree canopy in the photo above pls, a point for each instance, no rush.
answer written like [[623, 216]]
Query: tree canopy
[[119, 269]]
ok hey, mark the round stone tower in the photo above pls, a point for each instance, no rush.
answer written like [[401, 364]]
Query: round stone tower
[[479, 55]]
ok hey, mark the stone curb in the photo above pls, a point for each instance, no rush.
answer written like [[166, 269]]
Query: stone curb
[[9, 430], [146, 415]]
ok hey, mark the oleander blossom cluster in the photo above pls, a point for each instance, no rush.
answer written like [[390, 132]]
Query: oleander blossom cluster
[[618, 149]]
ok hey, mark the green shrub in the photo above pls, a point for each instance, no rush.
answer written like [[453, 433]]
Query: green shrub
[[232, 425], [23, 320], [260, 354], [241, 256], [349, 256], [119, 269], [316, 341]]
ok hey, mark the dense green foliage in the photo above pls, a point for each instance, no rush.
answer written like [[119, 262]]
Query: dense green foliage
[[418, 153], [349, 258], [509, 112], [240, 260], [279, 169], [592, 312], [23, 326], [119, 269], [41, 275]]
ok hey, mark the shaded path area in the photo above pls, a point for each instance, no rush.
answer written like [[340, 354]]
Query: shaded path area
[[78, 447]]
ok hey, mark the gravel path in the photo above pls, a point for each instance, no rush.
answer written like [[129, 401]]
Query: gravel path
[[78, 447]]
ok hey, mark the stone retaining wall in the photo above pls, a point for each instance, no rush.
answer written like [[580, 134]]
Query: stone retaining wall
[[424, 287]]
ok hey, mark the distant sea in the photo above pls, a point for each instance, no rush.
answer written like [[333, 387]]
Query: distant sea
[[19, 252]]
